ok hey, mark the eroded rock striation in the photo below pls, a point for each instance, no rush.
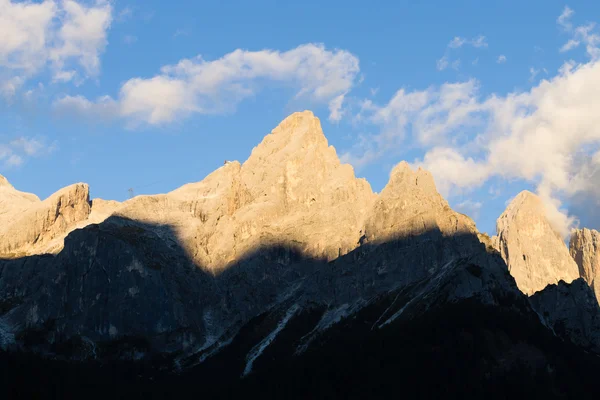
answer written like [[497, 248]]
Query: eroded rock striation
[[534, 252], [31, 226], [584, 248]]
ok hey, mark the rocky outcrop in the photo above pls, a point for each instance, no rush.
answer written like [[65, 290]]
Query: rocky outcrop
[[410, 205], [34, 227], [534, 252], [584, 247]]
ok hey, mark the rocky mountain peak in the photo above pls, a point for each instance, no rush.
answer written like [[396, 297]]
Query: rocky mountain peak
[[410, 205], [584, 247], [403, 178], [300, 132], [534, 252], [4, 182], [295, 166]]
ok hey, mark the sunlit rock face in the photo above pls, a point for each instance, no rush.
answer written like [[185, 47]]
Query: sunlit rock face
[[30, 226], [287, 244], [213, 254], [292, 191], [534, 252], [584, 248], [410, 205]]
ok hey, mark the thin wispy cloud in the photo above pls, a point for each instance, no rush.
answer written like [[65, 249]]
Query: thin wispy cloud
[[129, 39], [533, 73], [587, 35], [456, 43], [501, 59], [15, 152]]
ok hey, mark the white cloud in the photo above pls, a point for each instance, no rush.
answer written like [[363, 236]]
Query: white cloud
[[533, 73], [501, 59], [548, 136], [14, 153], [456, 43], [13, 160], [63, 35], [470, 208], [211, 87], [442, 63], [477, 42], [587, 35], [82, 35]]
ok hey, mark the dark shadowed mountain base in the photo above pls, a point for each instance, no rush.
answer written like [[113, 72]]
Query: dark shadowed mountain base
[[459, 350], [426, 316]]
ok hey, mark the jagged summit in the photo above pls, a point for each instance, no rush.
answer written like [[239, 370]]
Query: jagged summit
[[293, 190], [534, 252], [410, 204], [402, 174]]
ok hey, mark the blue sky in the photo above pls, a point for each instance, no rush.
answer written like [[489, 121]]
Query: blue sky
[[492, 99]]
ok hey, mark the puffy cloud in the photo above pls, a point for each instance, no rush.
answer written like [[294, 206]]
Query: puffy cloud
[[81, 36], [211, 87], [63, 35], [548, 136], [24, 28]]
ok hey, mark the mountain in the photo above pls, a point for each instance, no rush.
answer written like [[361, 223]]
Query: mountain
[[32, 226], [572, 312], [534, 252], [583, 247], [282, 276]]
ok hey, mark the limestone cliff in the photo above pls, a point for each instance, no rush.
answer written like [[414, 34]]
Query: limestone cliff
[[31, 226], [584, 248], [410, 205], [535, 254]]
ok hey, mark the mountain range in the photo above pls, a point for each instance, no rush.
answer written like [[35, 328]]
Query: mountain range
[[288, 276]]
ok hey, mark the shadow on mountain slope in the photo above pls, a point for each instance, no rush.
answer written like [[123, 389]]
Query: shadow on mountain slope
[[421, 316]]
